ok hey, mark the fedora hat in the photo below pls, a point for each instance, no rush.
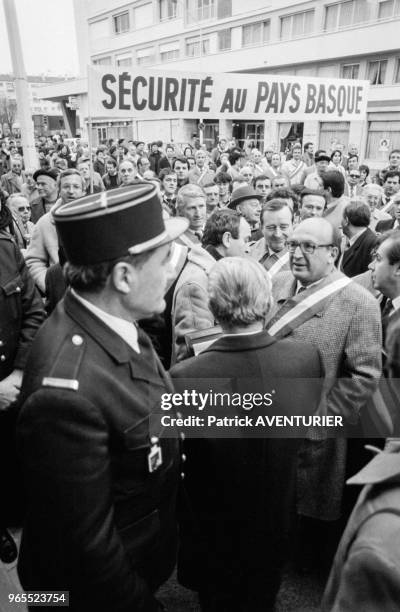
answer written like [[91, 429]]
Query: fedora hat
[[242, 193]]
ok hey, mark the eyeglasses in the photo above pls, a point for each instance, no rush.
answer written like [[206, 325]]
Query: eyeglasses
[[305, 247], [355, 176], [22, 208]]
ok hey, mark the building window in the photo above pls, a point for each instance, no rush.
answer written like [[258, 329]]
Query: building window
[[196, 47], [10, 86], [168, 9], [224, 9], [124, 61], [256, 33], [333, 133], [377, 72], [397, 71], [343, 14], [388, 9], [169, 56], [121, 23], [145, 56], [102, 61], [350, 71], [382, 130], [224, 40], [200, 10], [299, 24]]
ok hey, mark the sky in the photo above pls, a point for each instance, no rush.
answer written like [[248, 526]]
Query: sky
[[48, 38]]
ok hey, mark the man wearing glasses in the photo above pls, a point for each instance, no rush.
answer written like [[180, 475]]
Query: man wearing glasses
[[21, 214], [319, 305]]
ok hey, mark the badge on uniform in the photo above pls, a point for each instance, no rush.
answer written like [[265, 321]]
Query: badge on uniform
[[154, 457]]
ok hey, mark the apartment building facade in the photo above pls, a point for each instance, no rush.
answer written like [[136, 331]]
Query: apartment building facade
[[46, 114], [353, 39]]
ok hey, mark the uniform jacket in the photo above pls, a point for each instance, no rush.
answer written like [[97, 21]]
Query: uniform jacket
[[190, 300], [366, 572], [358, 256], [21, 309], [240, 490], [42, 251], [347, 332], [98, 521]]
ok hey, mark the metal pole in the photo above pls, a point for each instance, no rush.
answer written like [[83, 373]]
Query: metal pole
[[90, 134], [21, 86]]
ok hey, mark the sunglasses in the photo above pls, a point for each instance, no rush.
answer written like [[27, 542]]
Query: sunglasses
[[355, 175], [22, 208]]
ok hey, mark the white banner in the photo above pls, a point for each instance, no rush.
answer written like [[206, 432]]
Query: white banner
[[146, 94]]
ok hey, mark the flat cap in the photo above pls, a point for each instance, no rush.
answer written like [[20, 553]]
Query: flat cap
[[322, 157], [105, 226], [52, 173]]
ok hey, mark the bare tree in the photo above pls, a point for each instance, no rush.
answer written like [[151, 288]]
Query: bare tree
[[8, 112]]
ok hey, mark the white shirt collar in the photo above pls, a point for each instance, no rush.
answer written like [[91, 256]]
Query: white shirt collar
[[125, 329], [396, 303], [354, 238]]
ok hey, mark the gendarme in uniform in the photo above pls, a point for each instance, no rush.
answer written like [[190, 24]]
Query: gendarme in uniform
[[101, 479]]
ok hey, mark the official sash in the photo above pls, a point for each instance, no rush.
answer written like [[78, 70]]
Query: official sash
[[278, 265], [304, 308]]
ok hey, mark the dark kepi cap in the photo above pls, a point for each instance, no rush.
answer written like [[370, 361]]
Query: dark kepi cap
[[111, 224], [52, 173], [242, 193], [322, 157]]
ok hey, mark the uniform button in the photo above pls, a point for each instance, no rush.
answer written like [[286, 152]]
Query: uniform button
[[154, 439], [179, 415], [183, 475], [18, 290], [2, 357], [182, 435], [1, 342], [77, 340], [183, 457]]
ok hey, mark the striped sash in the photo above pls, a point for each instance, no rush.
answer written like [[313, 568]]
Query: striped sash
[[278, 265], [301, 308]]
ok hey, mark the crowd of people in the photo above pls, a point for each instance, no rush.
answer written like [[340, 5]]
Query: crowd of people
[[118, 266]]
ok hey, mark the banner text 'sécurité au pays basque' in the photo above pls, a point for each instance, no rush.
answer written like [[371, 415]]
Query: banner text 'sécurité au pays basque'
[[159, 94]]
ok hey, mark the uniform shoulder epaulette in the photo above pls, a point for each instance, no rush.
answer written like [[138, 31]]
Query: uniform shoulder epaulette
[[64, 373]]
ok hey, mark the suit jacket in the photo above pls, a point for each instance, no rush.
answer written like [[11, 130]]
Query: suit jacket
[[239, 490], [357, 257], [366, 571], [347, 332], [98, 521]]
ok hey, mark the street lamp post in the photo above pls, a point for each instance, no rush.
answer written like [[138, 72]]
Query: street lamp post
[[21, 86]]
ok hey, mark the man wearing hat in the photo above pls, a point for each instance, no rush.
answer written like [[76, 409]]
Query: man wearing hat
[[248, 203], [101, 479], [313, 180], [46, 182]]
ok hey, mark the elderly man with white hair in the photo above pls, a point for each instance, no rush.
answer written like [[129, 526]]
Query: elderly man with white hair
[[372, 194], [240, 490], [191, 203]]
